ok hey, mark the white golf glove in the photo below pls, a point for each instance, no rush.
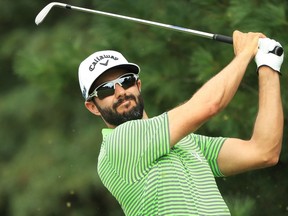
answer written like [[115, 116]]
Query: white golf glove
[[265, 57]]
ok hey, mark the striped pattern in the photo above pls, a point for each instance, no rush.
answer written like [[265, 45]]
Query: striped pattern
[[138, 167]]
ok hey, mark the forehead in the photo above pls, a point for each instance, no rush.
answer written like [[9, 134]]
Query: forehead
[[111, 74]]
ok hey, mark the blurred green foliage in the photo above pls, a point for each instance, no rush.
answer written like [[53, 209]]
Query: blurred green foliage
[[50, 142]]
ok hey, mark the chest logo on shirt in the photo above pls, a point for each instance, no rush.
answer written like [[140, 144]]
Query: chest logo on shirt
[[196, 155]]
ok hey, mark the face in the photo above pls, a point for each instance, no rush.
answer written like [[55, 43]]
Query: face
[[124, 105]]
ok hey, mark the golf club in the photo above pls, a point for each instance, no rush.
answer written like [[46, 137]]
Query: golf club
[[218, 37]]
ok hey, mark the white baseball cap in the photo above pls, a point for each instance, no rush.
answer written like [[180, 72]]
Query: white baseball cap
[[99, 62]]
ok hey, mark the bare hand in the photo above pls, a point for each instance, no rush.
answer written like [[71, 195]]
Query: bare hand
[[246, 43]]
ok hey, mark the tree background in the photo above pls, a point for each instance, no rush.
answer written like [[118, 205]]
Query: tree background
[[50, 142]]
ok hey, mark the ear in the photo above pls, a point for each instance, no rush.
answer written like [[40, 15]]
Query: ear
[[138, 83], [92, 108]]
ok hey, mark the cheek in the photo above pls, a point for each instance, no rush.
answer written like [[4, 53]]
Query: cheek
[[135, 90], [104, 103]]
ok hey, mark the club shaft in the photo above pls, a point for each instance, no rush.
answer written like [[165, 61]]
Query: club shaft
[[278, 50], [218, 37]]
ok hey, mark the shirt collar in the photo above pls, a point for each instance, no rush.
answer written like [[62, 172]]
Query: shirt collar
[[106, 131]]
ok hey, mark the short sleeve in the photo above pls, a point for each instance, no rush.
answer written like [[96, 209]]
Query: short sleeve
[[210, 147]]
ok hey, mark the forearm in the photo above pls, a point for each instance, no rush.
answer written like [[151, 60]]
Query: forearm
[[268, 128], [213, 96], [219, 90], [209, 100]]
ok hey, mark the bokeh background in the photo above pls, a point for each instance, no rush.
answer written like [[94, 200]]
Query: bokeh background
[[49, 142]]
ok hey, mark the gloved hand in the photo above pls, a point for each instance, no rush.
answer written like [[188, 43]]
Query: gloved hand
[[265, 57]]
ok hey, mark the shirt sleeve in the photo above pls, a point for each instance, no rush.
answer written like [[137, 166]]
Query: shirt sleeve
[[133, 147], [210, 147]]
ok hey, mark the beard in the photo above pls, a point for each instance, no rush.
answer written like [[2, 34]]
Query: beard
[[111, 116]]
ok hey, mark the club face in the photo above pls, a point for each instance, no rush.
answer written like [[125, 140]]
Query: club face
[[43, 13]]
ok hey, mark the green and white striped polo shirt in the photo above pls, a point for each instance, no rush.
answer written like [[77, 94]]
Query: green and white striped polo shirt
[[147, 177]]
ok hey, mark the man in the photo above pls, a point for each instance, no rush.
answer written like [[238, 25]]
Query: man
[[158, 166]]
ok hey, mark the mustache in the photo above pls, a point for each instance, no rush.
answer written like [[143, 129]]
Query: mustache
[[120, 100]]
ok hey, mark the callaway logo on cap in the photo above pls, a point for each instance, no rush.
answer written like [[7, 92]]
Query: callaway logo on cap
[[99, 62]]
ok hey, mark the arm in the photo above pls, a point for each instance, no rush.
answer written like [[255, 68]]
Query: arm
[[264, 147], [213, 96]]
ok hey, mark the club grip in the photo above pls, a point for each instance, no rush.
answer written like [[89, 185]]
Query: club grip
[[226, 39], [223, 38], [277, 51]]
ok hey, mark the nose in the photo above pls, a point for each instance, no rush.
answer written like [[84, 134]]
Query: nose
[[119, 90]]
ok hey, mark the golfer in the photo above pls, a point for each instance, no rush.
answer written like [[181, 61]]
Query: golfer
[[158, 165]]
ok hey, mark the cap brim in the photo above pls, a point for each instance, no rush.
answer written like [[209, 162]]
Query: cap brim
[[131, 68]]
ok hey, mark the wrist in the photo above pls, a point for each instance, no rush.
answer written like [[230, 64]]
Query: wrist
[[267, 69], [244, 57]]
